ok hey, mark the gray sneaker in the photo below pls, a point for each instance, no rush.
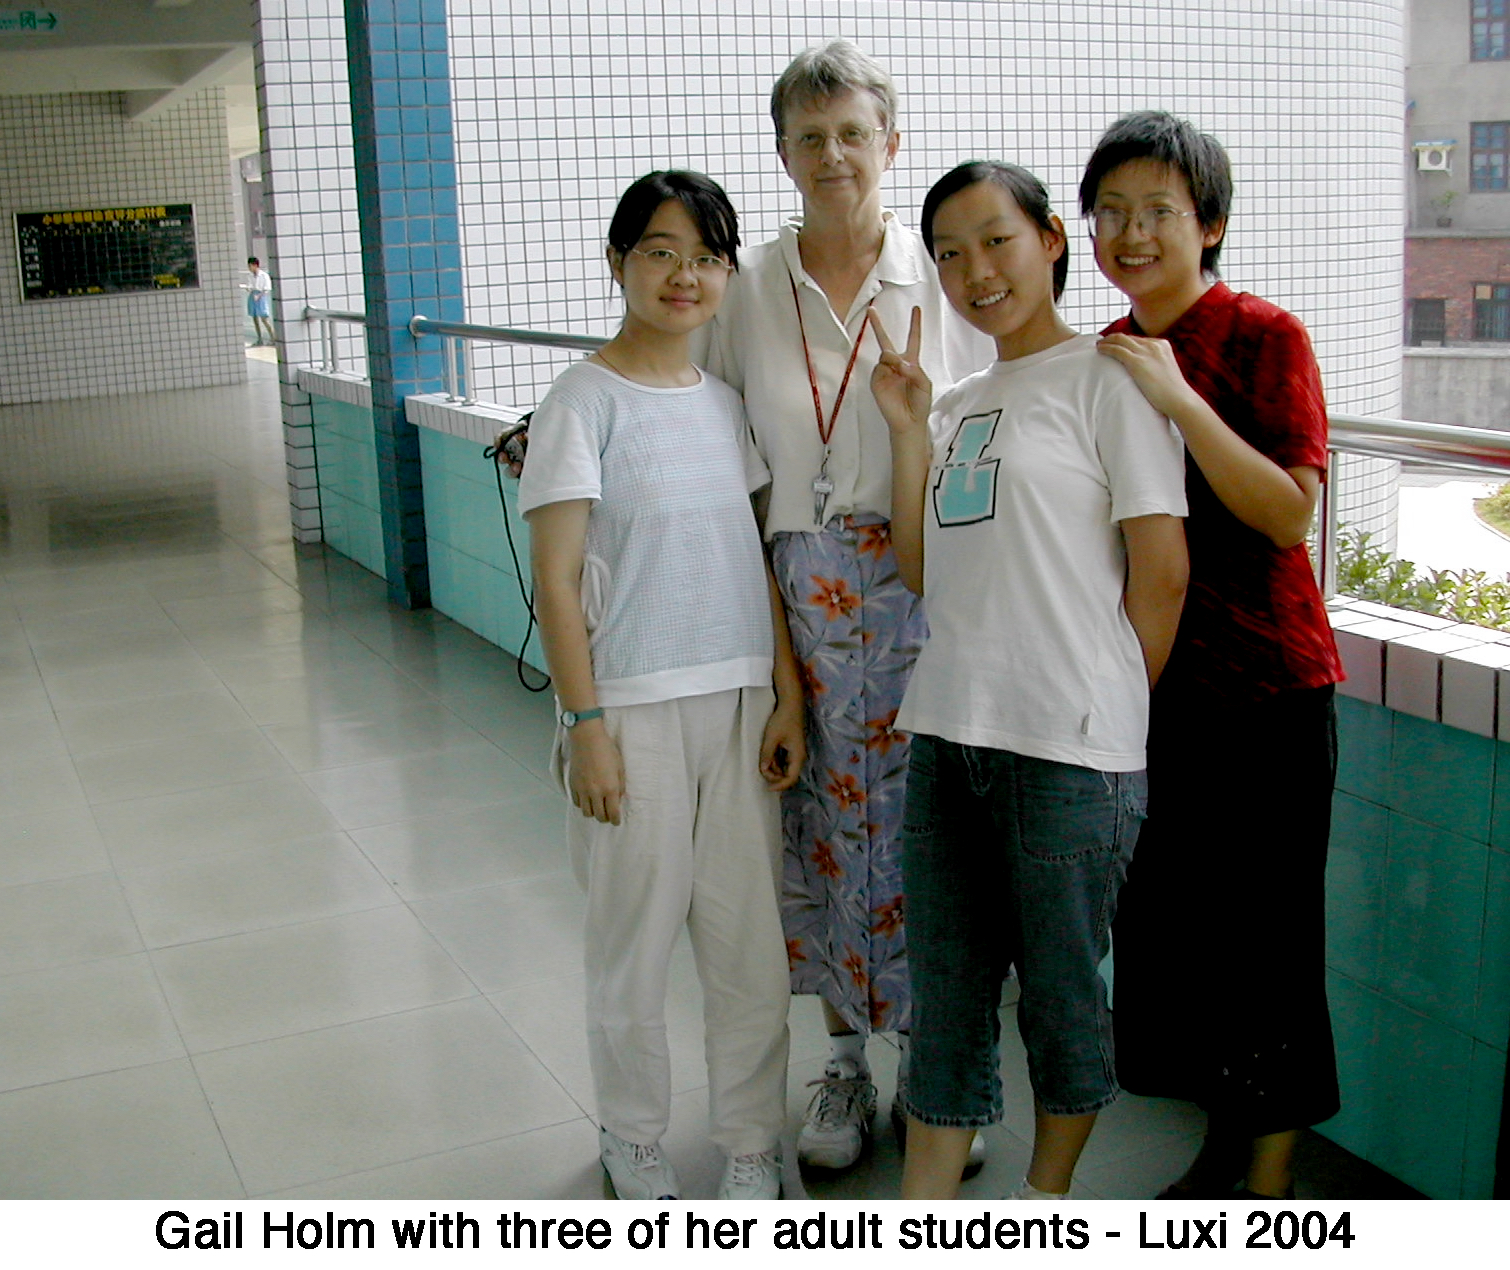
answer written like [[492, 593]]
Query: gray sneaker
[[637, 1172], [837, 1124], [755, 1176]]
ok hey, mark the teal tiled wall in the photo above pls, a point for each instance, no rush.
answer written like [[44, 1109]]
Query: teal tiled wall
[[348, 475], [1418, 947], [472, 578], [404, 146]]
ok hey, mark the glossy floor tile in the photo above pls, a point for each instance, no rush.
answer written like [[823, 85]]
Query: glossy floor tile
[[285, 909]]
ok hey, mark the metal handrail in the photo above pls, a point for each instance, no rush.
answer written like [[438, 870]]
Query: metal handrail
[[1411, 441], [1441, 445], [458, 336], [327, 318], [419, 325], [1446, 445]]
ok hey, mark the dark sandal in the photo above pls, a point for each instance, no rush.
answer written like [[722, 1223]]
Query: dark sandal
[[1182, 1190], [1245, 1193]]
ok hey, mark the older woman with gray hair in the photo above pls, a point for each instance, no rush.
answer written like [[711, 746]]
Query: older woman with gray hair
[[792, 338]]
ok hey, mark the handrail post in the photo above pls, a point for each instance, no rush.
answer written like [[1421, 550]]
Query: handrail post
[[448, 353], [332, 356], [1327, 540], [469, 386]]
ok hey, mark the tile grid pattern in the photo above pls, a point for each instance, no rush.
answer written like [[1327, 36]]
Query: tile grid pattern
[[198, 890], [314, 247], [77, 151], [560, 103], [411, 257], [1418, 892], [283, 906]]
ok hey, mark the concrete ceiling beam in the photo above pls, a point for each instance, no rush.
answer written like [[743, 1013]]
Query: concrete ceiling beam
[[194, 69]]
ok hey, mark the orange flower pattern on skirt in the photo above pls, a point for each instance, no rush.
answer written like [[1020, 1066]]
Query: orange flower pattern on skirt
[[857, 632], [834, 597], [888, 918], [845, 790], [873, 540], [883, 733], [824, 862]]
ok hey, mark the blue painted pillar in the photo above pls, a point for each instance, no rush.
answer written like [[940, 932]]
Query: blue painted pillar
[[411, 247]]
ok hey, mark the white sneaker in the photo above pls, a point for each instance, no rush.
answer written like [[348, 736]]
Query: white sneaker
[[752, 1176], [837, 1122], [974, 1162], [637, 1172]]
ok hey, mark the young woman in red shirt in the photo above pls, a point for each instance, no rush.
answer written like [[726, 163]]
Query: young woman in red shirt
[[1219, 941]]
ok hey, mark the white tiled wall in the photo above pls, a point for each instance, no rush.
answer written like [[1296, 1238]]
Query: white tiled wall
[[309, 183], [79, 151], [559, 104]]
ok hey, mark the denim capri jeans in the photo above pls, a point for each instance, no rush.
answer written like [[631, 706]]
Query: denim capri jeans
[[1011, 860]]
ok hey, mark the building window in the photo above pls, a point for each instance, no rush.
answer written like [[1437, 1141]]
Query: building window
[[1428, 322], [1491, 311], [1490, 161], [1490, 23]]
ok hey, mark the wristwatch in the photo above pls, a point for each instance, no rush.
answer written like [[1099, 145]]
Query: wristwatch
[[570, 718]]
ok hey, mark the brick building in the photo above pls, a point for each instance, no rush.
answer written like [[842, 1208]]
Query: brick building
[[1457, 248]]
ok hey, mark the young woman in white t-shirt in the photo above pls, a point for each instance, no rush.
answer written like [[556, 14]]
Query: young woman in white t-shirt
[[1041, 505], [680, 706]]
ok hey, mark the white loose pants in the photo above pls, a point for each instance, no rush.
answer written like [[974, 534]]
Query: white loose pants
[[700, 845]]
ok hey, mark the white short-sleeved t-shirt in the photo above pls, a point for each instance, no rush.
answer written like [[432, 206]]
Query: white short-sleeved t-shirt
[[756, 345], [673, 581], [1024, 564]]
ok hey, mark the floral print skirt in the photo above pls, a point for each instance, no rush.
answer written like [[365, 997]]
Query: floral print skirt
[[857, 631]]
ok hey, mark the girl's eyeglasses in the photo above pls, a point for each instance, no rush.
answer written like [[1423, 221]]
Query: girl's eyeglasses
[[1111, 222], [672, 262]]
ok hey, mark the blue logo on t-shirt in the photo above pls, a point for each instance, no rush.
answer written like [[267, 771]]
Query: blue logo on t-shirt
[[965, 492]]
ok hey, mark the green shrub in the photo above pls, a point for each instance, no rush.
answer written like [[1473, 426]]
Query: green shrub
[[1367, 572], [1495, 510]]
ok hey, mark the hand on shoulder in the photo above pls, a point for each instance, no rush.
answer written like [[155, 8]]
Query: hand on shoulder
[[1152, 365]]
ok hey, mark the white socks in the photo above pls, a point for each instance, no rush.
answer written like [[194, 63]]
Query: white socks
[[846, 1054]]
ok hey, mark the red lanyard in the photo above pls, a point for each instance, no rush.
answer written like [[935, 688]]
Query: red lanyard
[[825, 431]]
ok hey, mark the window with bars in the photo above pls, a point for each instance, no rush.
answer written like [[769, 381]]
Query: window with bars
[[1428, 322], [1490, 156], [1490, 24], [1491, 311]]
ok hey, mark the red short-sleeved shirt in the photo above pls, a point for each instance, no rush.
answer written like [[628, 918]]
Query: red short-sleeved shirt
[[1254, 622]]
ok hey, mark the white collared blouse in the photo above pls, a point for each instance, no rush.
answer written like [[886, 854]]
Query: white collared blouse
[[756, 346]]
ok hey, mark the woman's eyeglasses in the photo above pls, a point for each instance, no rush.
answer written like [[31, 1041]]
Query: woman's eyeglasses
[[853, 137]]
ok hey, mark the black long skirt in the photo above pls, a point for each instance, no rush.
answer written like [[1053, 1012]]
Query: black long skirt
[[1220, 932]]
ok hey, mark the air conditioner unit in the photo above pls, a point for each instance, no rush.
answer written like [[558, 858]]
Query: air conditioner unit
[[1434, 156]]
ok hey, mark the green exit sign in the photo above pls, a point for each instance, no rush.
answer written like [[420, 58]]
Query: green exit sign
[[22, 20]]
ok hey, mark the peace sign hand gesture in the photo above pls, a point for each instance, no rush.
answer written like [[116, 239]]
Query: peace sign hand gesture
[[903, 392]]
